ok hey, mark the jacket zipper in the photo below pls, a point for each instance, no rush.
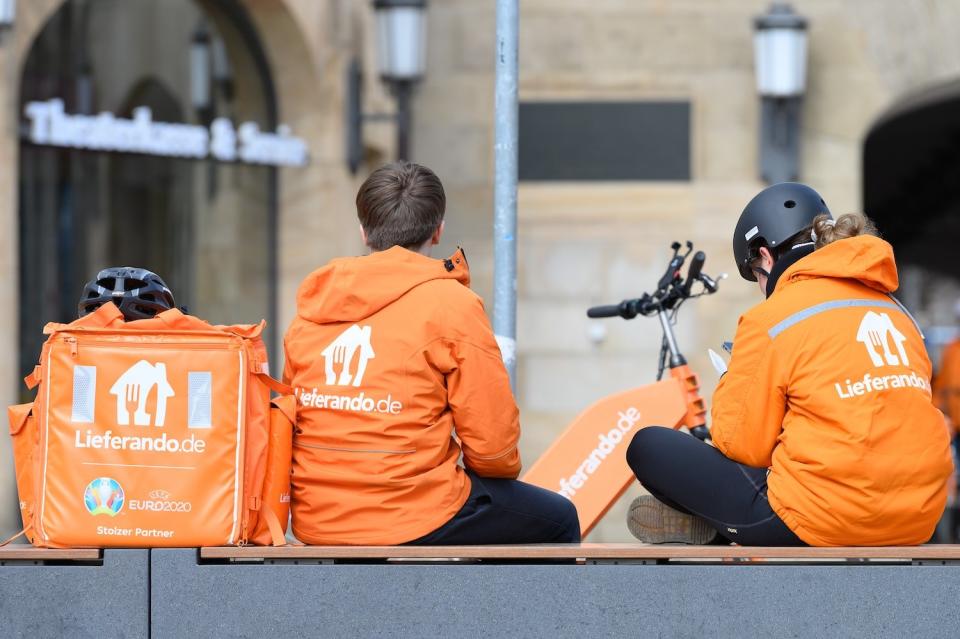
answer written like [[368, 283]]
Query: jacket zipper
[[74, 344], [40, 500]]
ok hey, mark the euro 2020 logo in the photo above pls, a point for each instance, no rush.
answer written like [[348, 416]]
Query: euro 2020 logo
[[103, 496]]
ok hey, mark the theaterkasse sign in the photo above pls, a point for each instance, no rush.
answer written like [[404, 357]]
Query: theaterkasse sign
[[50, 125]]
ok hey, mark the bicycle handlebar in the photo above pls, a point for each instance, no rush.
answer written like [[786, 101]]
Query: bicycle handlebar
[[671, 288], [627, 309], [609, 310]]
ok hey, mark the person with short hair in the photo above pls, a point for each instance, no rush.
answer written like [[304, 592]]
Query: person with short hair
[[398, 377], [823, 426]]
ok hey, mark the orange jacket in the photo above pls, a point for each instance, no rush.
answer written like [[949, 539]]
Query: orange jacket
[[829, 387], [946, 385], [389, 355]]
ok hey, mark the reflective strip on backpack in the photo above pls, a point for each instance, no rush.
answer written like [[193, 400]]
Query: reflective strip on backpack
[[84, 394], [199, 386]]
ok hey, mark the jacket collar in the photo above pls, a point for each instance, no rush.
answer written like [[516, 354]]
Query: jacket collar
[[787, 260]]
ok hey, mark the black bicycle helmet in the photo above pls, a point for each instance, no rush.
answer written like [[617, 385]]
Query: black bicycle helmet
[[137, 292], [772, 217]]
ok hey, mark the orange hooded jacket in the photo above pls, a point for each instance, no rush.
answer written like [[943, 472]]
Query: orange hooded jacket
[[829, 387], [946, 385], [389, 354]]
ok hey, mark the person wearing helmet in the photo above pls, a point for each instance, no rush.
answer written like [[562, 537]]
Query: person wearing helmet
[[823, 427], [137, 292]]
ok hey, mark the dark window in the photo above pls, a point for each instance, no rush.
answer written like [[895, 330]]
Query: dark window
[[605, 140]]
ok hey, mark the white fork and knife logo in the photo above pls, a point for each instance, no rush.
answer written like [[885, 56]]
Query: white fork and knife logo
[[352, 343], [875, 332], [134, 386]]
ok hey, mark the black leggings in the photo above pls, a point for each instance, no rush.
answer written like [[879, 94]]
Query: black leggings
[[696, 478]]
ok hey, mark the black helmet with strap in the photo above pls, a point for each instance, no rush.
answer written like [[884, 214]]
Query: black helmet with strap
[[137, 292], [772, 217]]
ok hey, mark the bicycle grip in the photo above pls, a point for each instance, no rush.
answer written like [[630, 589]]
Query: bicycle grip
[[610, 310], [693, 273]]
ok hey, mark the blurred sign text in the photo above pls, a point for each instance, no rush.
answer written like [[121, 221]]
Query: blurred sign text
[[50, 125]]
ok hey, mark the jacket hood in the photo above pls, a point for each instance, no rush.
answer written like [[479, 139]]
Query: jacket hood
[[865, 258], [351, 289]]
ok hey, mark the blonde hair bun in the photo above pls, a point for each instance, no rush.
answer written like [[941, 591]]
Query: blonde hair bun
[[826, 230]]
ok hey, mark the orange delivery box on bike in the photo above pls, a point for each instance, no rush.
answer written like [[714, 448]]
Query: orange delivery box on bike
[[587, 463], [155, 432]]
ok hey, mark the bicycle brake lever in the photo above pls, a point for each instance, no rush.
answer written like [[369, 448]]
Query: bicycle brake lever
[[712, 285]]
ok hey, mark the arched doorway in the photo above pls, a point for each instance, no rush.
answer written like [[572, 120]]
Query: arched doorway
[[911, 158], [911, 162], [207, 226]]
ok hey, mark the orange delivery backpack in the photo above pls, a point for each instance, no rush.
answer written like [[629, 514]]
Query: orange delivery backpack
[[155, 432]]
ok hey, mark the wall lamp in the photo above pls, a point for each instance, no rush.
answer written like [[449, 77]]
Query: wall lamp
[[200, 85], [780, 58], [401, 61], [8, 13]]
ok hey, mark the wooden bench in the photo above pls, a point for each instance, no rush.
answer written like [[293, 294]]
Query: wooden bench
[[587, 552], [22, 554]]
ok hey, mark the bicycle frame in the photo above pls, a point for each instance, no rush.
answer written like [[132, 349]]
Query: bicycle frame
[[587, 462]]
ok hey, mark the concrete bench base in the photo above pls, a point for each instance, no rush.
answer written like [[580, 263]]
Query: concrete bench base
[[280, 598], [598, 590], [74, 593]]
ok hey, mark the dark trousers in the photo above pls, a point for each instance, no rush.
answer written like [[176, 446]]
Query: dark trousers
[[507, 511], [696, 478]]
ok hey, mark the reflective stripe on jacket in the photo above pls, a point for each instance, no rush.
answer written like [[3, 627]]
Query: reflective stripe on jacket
[[390, 354], [829, 387]]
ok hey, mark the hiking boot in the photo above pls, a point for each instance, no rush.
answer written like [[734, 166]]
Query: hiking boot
[[653, 522]]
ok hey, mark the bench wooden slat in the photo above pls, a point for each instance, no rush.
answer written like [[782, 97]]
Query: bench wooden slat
[[582, 551], [29, 553]]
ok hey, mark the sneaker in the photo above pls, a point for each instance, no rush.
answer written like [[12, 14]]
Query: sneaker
[[653, 522]]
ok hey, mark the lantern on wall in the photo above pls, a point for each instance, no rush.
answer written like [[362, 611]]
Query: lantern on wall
[[780, 58], [200, 93], [401, 28], [8, 13]]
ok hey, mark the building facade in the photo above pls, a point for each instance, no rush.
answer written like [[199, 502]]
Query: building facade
[[639, 119]]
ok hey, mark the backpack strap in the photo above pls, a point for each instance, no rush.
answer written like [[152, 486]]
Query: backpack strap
[[275, 385], [261, 369], [23, 532], [277, 538], [33, 379]]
